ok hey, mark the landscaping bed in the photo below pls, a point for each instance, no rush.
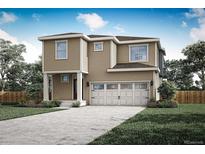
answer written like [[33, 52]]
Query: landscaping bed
[[10, 112], [182, 125]]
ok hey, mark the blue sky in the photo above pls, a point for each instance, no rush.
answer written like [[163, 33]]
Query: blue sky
[[176, 28]]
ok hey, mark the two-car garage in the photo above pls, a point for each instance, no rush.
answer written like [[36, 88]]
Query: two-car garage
[[119, 93]]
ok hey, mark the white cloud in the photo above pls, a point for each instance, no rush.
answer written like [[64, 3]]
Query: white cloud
[[7, 36], [119, 28], [36, 16], [6, 17], [183, 24], [197, 12], [92, 20], [199, 32], [32, 52]]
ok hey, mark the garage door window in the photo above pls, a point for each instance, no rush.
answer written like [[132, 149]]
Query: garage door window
[[98, 86], [125, 86], [112, 86], [140, 85]]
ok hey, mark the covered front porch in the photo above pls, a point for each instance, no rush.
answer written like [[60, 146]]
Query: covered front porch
[[66, 87]]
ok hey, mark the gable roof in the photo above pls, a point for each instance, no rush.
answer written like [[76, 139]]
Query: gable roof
[[95, 36], [128, 38], [62, 34], [122, 38]]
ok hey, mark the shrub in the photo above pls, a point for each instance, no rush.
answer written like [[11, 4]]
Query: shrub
[[34, 92], [50, 104], [10, 103], [23, 102], [166, 90], [76, 104], [167, 104], [162, 104], [152, 103], [57, 103]]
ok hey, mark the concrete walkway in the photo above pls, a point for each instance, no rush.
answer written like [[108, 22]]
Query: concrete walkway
[[73, 126]]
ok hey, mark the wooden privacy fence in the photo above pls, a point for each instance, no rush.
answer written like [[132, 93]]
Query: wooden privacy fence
[[190, 97], [12, 96]]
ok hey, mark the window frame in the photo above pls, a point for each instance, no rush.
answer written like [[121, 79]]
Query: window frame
[[112, 88], [61, 77], [93, 88], [138, 45], [140, 86], [129, 88], [96, 49], [56, 42]]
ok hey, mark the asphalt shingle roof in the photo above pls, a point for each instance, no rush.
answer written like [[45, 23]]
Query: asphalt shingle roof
[[132, 65]]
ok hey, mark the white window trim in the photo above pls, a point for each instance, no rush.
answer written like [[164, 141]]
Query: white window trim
[[66, 41], [135, 45], [97, 43]]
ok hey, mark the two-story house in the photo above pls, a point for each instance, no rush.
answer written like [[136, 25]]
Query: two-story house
[[101, 69]]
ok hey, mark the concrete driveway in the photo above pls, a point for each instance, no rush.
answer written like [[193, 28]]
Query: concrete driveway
[[72, 126]]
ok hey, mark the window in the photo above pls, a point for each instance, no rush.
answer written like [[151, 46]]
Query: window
[[140, 85], [138, 53], [98, 46], [112, 86], [64, 78], [98, 86], [61, 49], [126, 86]]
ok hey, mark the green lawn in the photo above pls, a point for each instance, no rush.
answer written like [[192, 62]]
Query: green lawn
[[8, 112], [182, 125]]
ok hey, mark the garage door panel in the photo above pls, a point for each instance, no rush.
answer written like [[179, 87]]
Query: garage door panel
[[126, 101], [101, 94], [94, 94], [120, 94]]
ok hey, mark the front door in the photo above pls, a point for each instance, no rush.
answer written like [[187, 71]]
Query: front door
[[75, 89]]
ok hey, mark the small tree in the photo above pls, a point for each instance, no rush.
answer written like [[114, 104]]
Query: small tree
[[179, 73], [166, 90], [195, 56], [10, 55], [34, 80]]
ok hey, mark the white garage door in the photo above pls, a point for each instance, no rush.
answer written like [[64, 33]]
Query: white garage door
[[126, 93]]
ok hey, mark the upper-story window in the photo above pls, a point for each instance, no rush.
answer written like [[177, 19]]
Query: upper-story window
[[138, 53], [98, 46], [61, 49]]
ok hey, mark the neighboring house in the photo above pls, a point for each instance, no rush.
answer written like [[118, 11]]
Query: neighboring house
[[101, 69]]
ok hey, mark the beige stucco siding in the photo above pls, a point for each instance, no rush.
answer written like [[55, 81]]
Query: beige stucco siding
[[73, 61], [62, 91], [99, 62], [123, 53]]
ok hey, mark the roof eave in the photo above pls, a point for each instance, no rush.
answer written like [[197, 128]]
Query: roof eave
[[43, 38], [132, 69]]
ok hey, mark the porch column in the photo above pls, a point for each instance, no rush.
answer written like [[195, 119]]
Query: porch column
[[79, 86], [45, 87]]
